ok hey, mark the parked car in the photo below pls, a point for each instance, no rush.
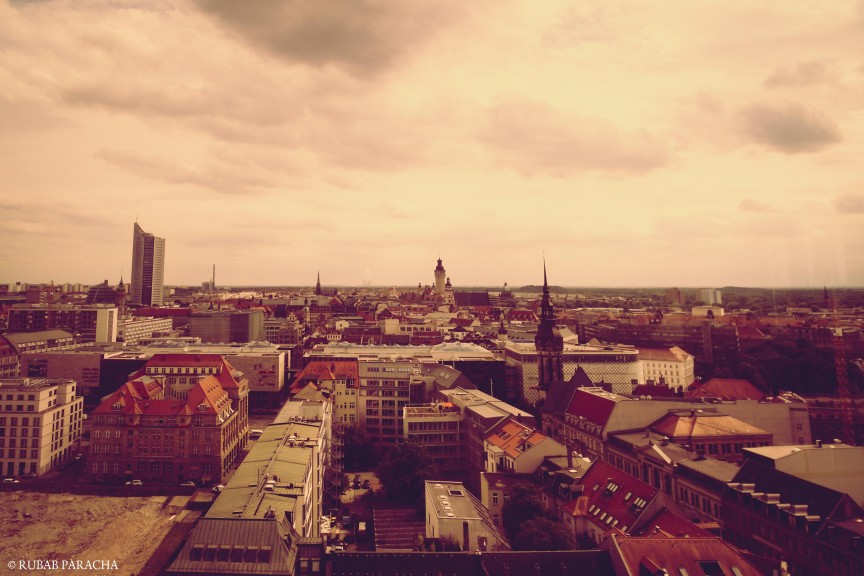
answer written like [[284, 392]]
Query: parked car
[[135, 483], [366, 484], [188, 483], [10, 481], [218, 488]]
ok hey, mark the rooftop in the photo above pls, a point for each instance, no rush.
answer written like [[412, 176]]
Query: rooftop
[[32, 383], [282, 454]]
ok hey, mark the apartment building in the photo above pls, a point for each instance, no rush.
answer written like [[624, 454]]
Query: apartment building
[[512, 446], [817, 530], [40, 424], [480, 413]]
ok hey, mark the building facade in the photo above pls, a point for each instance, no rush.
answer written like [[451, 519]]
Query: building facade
[[618, 366], [226, 326], [673, 365], [181, 417], [97, 323], [40, 424]]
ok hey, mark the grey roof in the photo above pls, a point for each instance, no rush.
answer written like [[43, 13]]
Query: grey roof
[[716, 469], [653, 446], [215, 539], [18, 338], [273, 454]]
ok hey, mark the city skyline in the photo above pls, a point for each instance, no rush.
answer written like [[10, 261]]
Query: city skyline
[[630, 146]]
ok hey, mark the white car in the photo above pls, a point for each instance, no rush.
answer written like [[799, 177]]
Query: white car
[[218, 488], [135, 483], [10, 481]]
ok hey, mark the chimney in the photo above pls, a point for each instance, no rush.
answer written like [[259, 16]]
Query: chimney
[[818, 443]]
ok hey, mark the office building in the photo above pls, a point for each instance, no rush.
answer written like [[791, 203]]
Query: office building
[[148, 268], [96, 323], [268, 518], [225, 326], [180, 417]]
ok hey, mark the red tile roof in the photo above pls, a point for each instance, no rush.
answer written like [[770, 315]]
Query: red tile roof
[[667, 524], [514, 438], [703, 425], [596, 408], [677, 555], [327, 370], [729, 388], [613, 498]]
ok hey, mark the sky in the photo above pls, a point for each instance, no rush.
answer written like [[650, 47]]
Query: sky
[[628, 143]]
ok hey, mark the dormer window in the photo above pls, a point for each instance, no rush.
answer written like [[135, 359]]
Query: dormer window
[[117, 406], [202, 407]]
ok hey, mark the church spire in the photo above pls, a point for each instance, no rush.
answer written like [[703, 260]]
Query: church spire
[[549, 344], [547, 313], [318, 284]]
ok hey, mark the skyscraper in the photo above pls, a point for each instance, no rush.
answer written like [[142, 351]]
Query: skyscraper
[[148, 264]]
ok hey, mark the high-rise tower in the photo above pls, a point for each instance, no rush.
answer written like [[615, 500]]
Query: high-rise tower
[[148, 265], [549, 344], [440, 276]]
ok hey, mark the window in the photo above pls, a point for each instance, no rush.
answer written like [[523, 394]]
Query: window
[[711, 568]]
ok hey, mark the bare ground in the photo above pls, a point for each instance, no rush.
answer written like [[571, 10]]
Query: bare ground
[[70, 526]]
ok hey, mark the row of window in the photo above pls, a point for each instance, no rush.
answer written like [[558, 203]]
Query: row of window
[[34, 454], [13, 421], [19, 397]]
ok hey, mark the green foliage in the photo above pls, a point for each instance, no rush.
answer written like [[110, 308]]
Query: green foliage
[[404, 469], [527, 524], [786, 364], [543, 534], [360, 453], [524, 505]]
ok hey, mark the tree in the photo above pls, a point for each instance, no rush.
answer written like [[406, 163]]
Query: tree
[[404, 469], [543, 534], [360, 453], [524, 505]]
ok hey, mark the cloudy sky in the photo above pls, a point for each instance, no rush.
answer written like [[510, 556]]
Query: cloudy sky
[[709, 143]]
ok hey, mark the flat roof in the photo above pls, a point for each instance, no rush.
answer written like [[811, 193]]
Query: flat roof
[[32, 383], [450, 500], [282, 453]]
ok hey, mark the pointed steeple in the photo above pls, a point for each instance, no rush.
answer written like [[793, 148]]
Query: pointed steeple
[[318, 284], [548, 343], [547, 313]]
